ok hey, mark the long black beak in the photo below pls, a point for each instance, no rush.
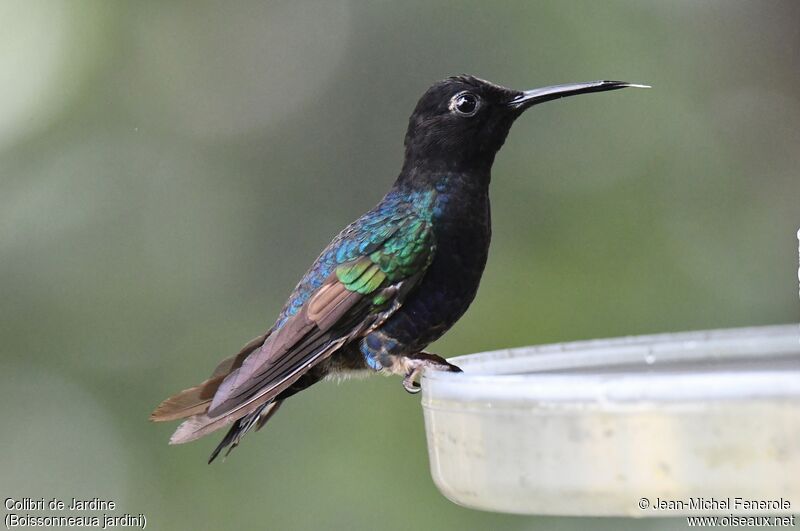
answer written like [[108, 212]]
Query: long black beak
[[530, 98]]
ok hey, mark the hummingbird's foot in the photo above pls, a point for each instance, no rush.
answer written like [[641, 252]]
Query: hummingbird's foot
[[421, 361]]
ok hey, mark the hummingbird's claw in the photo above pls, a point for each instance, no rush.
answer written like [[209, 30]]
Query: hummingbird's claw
[[420, 362], [410, 384]]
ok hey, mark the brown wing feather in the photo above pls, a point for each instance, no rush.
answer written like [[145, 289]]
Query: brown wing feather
[[200, 425], [195, 400], [234, 362], [331, 317], [203, 424], [305, 339]]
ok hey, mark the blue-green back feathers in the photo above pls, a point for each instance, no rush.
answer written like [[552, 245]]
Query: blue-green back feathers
[[391, 242]]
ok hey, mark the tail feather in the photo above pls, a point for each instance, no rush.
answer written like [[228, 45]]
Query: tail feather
[[189, 402], [266, 415], [234, 436], [195, 400], [199, 425]]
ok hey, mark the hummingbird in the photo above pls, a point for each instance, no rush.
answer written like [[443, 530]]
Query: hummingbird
[[389, 284]]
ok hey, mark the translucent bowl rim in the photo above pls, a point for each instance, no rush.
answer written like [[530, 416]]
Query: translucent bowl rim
[[529, 374]]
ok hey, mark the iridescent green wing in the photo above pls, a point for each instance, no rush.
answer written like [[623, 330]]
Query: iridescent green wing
[[405, 254], [367, 270]]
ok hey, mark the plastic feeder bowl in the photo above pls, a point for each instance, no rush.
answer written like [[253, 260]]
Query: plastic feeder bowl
[[595, 427]]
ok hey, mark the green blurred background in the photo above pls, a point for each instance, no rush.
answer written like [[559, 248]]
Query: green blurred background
[[169, 169]]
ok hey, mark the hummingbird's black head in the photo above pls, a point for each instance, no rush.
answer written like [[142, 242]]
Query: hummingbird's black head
[[461, 122]]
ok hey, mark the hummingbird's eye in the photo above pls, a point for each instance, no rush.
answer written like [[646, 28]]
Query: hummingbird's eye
[[465, 103]]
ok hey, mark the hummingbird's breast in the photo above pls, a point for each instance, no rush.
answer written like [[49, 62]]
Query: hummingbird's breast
[[461, 220]]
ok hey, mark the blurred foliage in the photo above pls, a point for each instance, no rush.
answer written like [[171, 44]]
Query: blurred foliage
[[169, 169]]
